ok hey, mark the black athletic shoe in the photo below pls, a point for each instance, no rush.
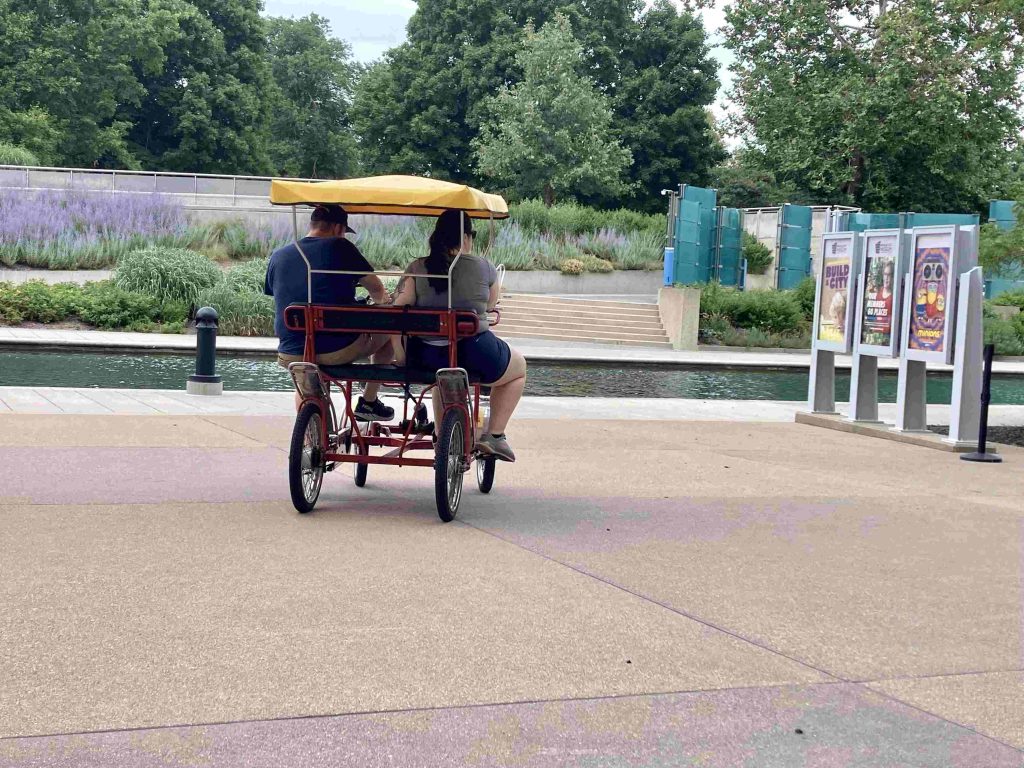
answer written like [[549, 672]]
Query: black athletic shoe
[[375, 411]]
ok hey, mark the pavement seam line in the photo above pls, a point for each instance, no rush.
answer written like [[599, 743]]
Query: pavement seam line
[[441, 708], [836, 678], [660, 604], [937, 716], [937, 675], [206, 418]]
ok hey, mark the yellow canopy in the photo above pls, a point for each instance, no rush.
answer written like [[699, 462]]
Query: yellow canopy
[[398, 195]]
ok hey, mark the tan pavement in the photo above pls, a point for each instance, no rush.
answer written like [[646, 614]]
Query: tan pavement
[[655, 593]]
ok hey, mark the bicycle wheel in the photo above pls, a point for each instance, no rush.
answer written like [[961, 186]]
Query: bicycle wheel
[[448, 465], [306, 458], [485, 473]]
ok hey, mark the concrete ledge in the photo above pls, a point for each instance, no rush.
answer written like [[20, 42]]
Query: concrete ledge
[[550, 281], [882, 430], [680, 315]]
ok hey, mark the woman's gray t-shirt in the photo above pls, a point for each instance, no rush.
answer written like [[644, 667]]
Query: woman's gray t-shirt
[[472, 279]]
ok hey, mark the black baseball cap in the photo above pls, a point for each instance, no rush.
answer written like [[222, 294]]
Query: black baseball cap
[[331, 214]]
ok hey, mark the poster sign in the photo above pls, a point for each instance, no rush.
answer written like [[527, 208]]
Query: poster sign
[[931, 295], [833, 310], [880, 303]]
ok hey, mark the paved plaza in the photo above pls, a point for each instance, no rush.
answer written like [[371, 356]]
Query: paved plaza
[[630, 594]]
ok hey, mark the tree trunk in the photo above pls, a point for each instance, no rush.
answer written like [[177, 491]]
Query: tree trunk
[[854, 185], [549, 195]]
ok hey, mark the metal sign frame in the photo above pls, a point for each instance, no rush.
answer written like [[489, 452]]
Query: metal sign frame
[[868, 239], [844, 346], [951, 233]]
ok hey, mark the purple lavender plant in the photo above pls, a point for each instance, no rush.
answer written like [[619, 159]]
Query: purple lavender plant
[[69, 230]]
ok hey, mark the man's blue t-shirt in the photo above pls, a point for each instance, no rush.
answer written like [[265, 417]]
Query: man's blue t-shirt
[[286, 282]]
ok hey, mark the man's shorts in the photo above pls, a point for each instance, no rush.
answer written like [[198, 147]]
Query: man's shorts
[[363, 346]]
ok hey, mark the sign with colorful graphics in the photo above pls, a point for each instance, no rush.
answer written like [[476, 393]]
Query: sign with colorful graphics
[[833, 309], [932, 299], [879, 307]]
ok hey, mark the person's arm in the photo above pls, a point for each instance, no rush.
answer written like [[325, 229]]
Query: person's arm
[[375, 288], [370, 282], [268, 281], [405, 295], [495, 295]]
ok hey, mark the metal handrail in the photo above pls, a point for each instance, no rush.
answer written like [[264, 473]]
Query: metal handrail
[[126, 172]]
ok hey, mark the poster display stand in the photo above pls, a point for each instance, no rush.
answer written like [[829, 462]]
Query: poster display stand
[[883, 260], [833, 316], [942, 323]]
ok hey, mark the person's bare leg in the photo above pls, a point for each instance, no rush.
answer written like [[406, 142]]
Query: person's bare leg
[[506, 393], [298, 400], [381, 353]]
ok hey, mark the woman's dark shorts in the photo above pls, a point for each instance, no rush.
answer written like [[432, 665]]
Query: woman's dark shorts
[[484, 356]]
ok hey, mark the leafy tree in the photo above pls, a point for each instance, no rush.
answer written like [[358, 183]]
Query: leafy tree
[[208, 108], [551, 133], [310, 131], [668, 80], [743, 182], [891, 105], [419, 109], [69, 70]]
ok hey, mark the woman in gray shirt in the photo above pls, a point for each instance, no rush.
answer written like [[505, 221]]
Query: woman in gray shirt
[[474, 286]]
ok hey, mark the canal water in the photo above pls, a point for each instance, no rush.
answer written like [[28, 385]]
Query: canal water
[[163, 371]]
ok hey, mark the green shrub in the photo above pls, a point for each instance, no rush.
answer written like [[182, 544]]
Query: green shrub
[[573, 267], [769, 311], [248, 277], [12, 154], [594, 264], [1007, 335], [167, 274], [1010, 299], [240, 314], [35, 301], [567, 219], [758, 255], [634, 222], [105, 305], [804, 293]]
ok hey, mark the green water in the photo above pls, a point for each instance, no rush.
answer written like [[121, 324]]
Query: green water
[[159, 371]]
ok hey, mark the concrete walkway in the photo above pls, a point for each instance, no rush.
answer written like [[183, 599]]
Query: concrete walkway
[[656, 593], [534, 349], [85, 400]]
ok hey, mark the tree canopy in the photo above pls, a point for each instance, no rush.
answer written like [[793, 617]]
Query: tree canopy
[[892, 105], [550, 134], [420, 108]]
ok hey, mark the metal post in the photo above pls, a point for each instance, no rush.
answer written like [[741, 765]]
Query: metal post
[[982, 455], [234, 191], [205, 381]]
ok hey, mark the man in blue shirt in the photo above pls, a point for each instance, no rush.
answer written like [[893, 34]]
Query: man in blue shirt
[[326, 247]]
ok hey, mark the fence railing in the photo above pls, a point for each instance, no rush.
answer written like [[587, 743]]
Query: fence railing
[[200, 188]]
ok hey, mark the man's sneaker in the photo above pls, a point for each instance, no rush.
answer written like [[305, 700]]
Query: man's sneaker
[[374, 411], [496, 445]]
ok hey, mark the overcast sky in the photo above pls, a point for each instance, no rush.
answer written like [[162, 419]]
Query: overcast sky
[[373, 26]]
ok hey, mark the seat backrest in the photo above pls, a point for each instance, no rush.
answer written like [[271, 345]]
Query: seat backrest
[[408, 321]]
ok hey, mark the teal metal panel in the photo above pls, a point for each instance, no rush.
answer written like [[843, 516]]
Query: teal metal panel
[[688, 243], [695, 235], [998, 285], [861, 222], [1002, 214], [940, 219], [794, 245], [729, 241]]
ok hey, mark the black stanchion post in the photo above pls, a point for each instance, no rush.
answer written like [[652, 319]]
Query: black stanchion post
[[986, 395], [205, 381]]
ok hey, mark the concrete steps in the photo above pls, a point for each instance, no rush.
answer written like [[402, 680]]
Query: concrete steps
[[599, 321]]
